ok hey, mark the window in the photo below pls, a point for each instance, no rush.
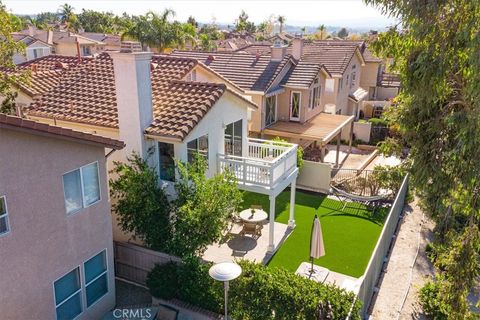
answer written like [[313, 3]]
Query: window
[[354, 75], [192, 76], [166, 161], [37, 53], [329, 85], [4, 226], [270, 110], [340, 84], [346, 81], [81, 187], [67, 292], [199, 146], [314, 99], [86, 51], [233, 138], [96, 278]]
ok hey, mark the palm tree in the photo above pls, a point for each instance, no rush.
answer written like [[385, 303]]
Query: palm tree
[[281, 20], [66, 12], [322, 32], [206, 44]]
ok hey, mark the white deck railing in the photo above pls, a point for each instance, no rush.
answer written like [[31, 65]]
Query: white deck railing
[[266, 164]]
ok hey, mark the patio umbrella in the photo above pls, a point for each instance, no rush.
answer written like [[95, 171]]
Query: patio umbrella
[[317, 249]]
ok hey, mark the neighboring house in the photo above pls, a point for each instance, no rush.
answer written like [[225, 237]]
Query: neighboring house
[[42, 74], [156, 104], [34, 48], [55, 222], [66, 43], [288, 84], [112, 41]]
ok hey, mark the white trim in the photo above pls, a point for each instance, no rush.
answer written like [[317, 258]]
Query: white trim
[[299, 106], [70, 296], [5, 215], [96, 278], [82, 187]]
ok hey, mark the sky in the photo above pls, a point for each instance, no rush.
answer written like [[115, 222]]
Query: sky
[[341, 13]]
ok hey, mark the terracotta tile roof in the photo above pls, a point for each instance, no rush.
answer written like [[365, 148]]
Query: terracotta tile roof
[[369, 57], [11, 122], [183, 105], [44, 73], [62, 37], [88, 96], [108, 39], [256, 48], [250, 72]]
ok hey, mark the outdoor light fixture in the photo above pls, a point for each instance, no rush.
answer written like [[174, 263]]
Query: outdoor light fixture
[[225, 272]]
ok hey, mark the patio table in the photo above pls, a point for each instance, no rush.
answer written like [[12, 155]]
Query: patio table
[[257, 216]]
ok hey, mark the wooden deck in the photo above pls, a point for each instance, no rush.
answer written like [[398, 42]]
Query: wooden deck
[[323, 127]]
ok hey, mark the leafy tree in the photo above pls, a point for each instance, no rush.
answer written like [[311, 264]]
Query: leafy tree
[[342, 33], [191, 20], [243, 25], [211, 30], [8, 48], [206, 44], [141, 205], [281, 20], [95, 21], [42, 19], [203, 207], [436, 54], [321, 33], [66, 12]]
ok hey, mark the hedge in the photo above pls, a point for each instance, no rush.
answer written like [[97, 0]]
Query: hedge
[[259, 293]]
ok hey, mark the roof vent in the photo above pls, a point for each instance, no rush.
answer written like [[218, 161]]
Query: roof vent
[[130, 47], [211, 57]]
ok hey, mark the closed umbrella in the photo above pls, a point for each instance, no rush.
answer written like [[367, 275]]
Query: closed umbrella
[[317, 249]]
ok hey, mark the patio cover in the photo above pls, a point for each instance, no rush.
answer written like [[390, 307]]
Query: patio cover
[[323, 127]]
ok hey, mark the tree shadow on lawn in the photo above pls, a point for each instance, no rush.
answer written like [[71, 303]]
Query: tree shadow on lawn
[[319, 203]]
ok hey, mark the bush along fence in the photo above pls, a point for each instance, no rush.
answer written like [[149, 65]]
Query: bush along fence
[[382, 249], [259, 293]]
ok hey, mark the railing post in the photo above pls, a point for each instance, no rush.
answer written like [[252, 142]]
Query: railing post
[[244, 165]]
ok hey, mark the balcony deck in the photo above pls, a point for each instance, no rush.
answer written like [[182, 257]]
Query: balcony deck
[[268, 167]]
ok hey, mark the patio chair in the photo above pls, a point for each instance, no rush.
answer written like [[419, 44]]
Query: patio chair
[[251, 228]]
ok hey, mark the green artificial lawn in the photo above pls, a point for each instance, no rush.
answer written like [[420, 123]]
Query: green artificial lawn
[[349, 235]]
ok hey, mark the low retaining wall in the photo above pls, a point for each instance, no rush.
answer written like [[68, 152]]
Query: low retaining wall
[[315, 176]]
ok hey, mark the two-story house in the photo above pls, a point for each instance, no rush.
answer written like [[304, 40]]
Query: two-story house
[[34, 48], [168, 108], [56, 244]]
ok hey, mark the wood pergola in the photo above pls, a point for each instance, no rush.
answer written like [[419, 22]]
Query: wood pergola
[[322, 129]]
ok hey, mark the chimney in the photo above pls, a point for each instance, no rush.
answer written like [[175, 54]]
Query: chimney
[[134, 95], [50, 37], [278, 51], [297, 47]]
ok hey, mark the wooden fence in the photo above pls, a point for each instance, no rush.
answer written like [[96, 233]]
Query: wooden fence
[[133, 263]]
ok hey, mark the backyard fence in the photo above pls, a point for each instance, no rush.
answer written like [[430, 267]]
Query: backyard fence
[[359, 182], [382, 248], [133, 263]]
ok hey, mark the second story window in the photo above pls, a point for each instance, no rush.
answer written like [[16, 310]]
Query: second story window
[[340, 84], [200, 146], [4, 225], [314, 99], [86, 51], [192, 76], [354, 76], [166, 161], [81, 187]]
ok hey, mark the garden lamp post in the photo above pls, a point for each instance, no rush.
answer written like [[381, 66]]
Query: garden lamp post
[[225, 272]]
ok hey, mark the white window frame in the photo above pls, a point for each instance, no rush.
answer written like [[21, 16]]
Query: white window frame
[[340, 84], [85, 284], [84, 204], [299, 106], [353, 77], [82, 302], [311, 97], [207, 156], [5, 215]]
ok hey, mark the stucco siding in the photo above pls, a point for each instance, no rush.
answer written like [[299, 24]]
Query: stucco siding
[[369, 75], [44, 243]]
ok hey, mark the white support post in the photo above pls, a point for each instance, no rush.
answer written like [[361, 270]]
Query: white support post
[[291, 220], [271, 225]]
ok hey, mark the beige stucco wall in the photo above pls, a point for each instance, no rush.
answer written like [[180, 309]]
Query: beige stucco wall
[[44, 243], [70, 49], [369, 75], [315, 176], [256, 121]]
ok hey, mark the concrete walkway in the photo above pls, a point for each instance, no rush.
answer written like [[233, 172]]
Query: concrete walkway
[[405, 272]]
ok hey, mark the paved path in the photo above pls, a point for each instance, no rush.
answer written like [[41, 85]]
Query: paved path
[[400, 276]]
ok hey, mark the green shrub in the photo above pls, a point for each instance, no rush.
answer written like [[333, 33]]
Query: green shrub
[[163, 281], [378, 122], [431, 305], [259, 293]]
